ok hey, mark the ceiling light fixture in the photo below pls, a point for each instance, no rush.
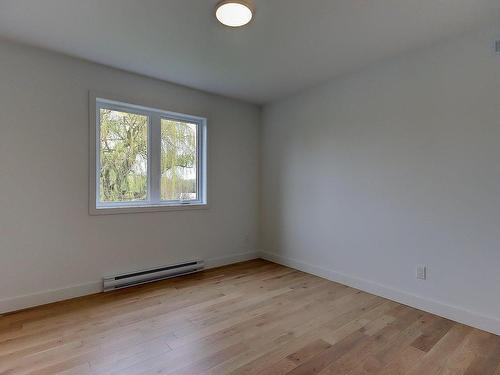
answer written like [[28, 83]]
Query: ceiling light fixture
[[234, 13]]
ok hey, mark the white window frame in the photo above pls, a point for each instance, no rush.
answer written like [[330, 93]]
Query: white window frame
[[153, 202]]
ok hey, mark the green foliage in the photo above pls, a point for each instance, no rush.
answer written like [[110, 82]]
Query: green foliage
[[124, 150], [178, 160], [124, 155]]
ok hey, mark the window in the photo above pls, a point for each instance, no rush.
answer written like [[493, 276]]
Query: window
[[146, 159]]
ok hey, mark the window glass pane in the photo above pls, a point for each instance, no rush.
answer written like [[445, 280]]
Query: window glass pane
[[123, 156], [178, 160]]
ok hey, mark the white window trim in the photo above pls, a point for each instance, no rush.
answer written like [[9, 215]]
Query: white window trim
[[155, 115]]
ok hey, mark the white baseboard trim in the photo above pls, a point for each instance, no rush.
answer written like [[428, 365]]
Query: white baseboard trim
[[55, 295], [458, 314], [230, 259], [49, 296]]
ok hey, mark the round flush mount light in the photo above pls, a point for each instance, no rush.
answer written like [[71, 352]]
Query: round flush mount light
[[234, 13]]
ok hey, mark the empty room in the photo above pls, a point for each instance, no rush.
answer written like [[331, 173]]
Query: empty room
[[250, 187]]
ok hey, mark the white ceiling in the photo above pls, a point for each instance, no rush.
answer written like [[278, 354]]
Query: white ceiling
[[291, 44]]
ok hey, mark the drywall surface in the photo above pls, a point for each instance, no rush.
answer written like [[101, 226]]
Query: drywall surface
[[367, 176], [50, 247]]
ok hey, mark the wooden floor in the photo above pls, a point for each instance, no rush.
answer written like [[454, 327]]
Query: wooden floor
[[251, 318]]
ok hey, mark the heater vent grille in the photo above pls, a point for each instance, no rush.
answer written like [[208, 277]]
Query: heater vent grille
[[154, 274]]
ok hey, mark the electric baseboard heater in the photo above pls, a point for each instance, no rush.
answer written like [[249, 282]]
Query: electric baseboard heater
[[154, 274]]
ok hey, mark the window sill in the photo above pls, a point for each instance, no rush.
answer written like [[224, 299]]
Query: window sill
[[109, 210]]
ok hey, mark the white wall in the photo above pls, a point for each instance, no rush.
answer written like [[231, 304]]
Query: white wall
[[373, 173], [50, 248]]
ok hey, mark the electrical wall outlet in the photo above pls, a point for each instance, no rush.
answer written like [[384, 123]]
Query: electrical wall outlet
[[421, 272]]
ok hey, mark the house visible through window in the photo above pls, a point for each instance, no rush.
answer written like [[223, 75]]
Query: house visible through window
[[148, 158]]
